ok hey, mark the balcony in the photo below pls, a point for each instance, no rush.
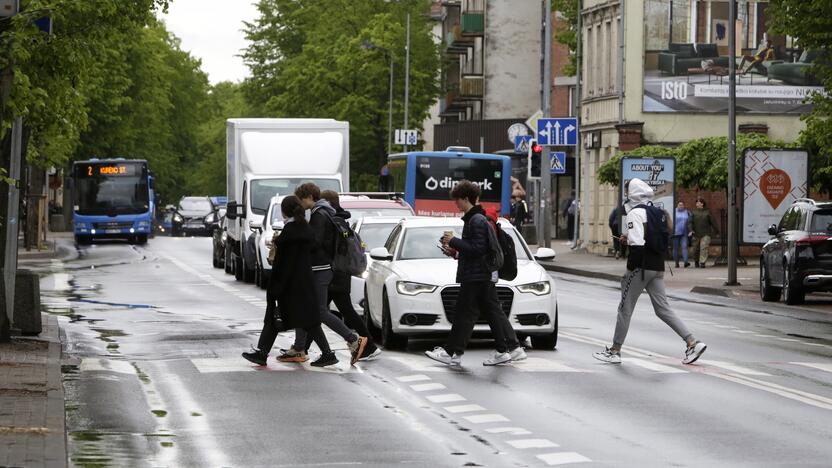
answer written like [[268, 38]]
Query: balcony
[[473, 24], [472, 87]]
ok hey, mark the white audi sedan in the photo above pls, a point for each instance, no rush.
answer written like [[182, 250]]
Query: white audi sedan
[[374, 231], [411, 287]]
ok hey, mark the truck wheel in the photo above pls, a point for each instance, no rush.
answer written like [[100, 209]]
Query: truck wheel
[[248, 273], [229, 261], [83, 240]]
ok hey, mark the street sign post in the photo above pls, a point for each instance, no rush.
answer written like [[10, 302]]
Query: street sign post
[[407, 137], [557, 132], [8, 8], [558, 165], [521, 143]]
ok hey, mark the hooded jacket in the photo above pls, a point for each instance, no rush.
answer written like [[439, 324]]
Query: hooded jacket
[[323, 230], [472, 247], [639, 193]]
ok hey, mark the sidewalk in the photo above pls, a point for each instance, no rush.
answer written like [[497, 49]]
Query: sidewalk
[[710, 280], [32, 421]]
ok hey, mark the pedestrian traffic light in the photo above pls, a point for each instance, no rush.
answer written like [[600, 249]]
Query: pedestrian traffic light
[[535, 151]]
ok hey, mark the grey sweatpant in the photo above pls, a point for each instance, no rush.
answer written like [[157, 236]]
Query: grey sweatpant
[[632, 284]]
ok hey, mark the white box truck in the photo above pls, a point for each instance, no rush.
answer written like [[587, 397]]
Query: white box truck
[[269, 157]]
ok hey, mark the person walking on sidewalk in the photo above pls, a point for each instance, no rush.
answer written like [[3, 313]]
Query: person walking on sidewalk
[[323, 251], [569, 208], [645, 271], [477, 285], [700, 227], [339, 289], [680, 234], [292, 286], [615, 228]]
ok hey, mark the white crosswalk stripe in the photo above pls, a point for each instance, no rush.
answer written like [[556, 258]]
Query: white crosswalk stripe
[[563, 458], [655, 367], [532, 443], [824, 366], [732, 367]]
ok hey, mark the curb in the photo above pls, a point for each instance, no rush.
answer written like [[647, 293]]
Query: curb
[[579, 272], [56, 443]]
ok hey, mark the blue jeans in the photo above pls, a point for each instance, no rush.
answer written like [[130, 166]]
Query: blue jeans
[[677, 240]]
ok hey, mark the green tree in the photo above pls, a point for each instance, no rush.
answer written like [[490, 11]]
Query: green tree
[[309, 58], [566, 34]]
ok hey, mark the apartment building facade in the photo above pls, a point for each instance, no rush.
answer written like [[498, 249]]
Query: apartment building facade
[[654, 73]]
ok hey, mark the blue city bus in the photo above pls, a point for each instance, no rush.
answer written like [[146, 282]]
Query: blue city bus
[[427, 178], [113, 199]]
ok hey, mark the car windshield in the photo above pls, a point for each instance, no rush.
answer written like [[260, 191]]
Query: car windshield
[[364, 212], [423, 242], [822, 221], [195, 204], [262, 190], [375, 235]]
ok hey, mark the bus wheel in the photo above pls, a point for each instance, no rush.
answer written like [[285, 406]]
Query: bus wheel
[[83, 240], [142, 240]]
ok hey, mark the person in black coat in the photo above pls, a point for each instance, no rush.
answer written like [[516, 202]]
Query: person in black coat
[[291, 285]]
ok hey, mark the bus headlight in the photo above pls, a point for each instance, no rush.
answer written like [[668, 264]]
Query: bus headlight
[[538, 289]]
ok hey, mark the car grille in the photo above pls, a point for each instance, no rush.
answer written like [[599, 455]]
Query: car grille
[[112, 225], [450, 294]]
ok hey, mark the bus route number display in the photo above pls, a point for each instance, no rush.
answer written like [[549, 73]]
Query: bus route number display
[[92, 170]]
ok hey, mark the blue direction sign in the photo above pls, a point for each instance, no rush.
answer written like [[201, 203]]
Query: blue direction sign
[[557, 132], [521, 143], [558, 165]]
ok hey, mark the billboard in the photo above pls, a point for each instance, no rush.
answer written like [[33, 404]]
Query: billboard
[[436, 176], [772, 180], [660, 175], [687, 60]]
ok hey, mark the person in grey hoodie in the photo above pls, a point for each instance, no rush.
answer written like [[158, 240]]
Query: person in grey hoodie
[[323, 251], [645, 271]]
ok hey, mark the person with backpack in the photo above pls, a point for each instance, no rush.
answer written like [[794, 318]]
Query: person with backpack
[[479, 259], [323, 252], [646, 236], [339, 288], [292, 286]]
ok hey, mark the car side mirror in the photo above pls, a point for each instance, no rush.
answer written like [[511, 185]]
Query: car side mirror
[[232, 211], [255, 226], [381, 254], [772, 230], [544, 254]]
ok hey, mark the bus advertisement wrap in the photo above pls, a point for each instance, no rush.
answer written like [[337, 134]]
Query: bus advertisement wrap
[[687, 60], [772, 180], [435, 177]]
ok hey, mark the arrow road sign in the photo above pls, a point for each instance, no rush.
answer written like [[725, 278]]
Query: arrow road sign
[[558, 162], [557, 132], [521, 144]]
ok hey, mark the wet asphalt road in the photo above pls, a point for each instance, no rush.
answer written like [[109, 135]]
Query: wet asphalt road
[[154, 378]]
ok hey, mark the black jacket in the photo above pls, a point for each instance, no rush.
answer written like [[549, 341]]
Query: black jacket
[[472, 247], [291, 282], [341, 282], [324, 232]]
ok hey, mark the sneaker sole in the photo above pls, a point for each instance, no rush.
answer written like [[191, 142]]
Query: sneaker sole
[[604, 360], [371, 357], [324, 365], [449, 363], [491, 364], [261, 364], [695, 358], [293, 359], [362, 343]]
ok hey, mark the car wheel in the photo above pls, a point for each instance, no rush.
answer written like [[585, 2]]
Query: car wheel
[[229, 260], [768, 293], [792, 293], [238, 267], [248, 273], [389, 339], [368, 321], [215, 259], [547, 342], [141, 240]]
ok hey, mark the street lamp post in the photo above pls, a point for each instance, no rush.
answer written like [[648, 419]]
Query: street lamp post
[[370, 46], [406, 76], [732, 146]]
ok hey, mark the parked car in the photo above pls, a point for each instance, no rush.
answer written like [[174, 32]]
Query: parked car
[[218, 240], [190, 216], [411, 288], [264, 234], [212, 221], [374, 231], [798, 258]]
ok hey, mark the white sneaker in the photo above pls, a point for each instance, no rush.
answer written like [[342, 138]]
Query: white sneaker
[[439, 354], [497, 358], [693, 352], [518, 354], [608, 355], [372, 356]]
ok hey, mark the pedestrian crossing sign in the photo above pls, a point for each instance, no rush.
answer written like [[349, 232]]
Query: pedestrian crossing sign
[[558, 162]]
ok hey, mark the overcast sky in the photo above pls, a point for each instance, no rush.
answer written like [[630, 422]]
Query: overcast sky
[[211, 30]]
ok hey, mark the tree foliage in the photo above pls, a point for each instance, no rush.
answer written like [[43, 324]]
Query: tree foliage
[[700, 164], [329, 59], [566, 33]]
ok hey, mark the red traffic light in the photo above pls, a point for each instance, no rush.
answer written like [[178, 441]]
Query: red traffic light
[[536, 148]]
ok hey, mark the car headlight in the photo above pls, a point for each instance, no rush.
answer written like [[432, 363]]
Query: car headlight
[[409, 288], [177, 218], [538, 289], [365, 274]]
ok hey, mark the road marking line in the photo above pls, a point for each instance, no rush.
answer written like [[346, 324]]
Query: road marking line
[[764, 336], [629, 350], [486, 418], [427, 387], [508, 430], [531, 443], [815, 365], [421, 364], [463, 408], [533, 364], [732, 367], [660, 368], [215, 365], [562, 458], [790, 393], [446, 398], [744, 332], [788, 339], [727, 327], [413, 378], [107, 365]]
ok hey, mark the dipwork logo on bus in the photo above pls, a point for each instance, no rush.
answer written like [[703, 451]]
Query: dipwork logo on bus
[[448, 183], [435, 177]]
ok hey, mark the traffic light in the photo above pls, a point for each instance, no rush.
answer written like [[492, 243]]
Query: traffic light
[[535, 151]]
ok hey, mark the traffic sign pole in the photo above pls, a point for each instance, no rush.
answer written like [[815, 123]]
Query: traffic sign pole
[[546, 163]]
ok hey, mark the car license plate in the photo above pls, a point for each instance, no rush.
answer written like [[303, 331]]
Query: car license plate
[[112, 231]]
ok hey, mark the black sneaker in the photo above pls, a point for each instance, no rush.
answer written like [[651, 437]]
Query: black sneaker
[[326, 359], [256, 356]]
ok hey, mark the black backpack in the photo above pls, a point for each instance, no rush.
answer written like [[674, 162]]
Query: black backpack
[[348, 255], [509, 269], [494, 259], [657, 236]]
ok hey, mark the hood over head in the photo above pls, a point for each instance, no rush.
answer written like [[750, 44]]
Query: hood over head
[[323, 204], [638, 193]]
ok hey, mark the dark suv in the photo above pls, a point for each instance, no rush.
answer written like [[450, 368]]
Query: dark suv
[[798, 259]]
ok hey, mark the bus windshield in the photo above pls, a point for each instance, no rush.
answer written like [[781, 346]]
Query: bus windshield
[[262, 190], [111, 188]]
